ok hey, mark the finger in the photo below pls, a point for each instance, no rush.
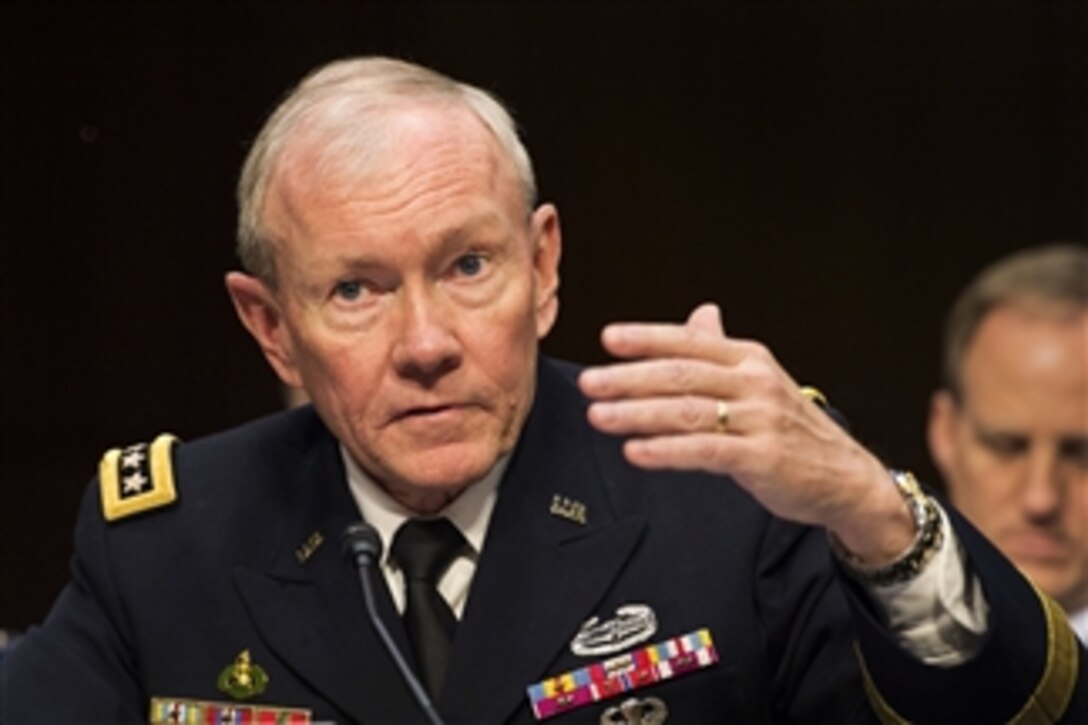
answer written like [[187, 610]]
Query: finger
[[704, 325], [667, 416], [628, 340], [660, 378], [708, 318], [702, 451]]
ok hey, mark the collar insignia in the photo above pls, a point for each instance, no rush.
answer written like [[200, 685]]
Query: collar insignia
[[569, 509], [309, 546]]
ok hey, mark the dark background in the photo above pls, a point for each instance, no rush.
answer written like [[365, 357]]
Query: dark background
[[831, 174]]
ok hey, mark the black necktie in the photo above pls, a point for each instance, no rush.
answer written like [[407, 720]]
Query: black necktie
[[424, 550]]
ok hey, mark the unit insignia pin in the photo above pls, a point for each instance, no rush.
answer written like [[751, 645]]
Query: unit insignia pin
[[568, 508], [634, 623], [309, 546], [635, 711], [243, 679]]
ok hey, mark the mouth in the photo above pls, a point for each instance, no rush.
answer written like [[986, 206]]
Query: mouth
[[1037, 546], [428, 412]]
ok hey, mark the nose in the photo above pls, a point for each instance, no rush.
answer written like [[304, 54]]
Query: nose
[[425, 347], [1043, 487]]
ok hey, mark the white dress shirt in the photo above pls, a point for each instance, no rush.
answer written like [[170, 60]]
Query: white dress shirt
[[470, 513], [1079, 620]]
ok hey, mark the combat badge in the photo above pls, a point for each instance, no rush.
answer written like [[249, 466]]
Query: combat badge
[[243, 679], [634, 623], [137, 478]]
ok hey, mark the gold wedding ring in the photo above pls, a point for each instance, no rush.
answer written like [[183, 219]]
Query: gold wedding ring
[[723, 416]]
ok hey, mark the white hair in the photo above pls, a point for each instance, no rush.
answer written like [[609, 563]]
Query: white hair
[[344, 105]]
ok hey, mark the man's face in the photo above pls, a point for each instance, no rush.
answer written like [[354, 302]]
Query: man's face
[[1014, 450], [410, 302]]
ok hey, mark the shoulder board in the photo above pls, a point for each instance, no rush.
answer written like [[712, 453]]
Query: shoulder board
[[137, 478]]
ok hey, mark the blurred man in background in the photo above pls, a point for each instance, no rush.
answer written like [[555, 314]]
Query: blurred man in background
[[1009, 427]]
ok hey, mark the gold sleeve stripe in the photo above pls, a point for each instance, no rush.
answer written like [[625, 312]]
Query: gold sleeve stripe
[[137, 478], [1047, 704]]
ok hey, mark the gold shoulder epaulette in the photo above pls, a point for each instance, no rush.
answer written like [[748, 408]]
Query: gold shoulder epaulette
[[137, 478]]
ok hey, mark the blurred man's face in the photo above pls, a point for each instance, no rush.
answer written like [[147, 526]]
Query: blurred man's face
[[1014, 450], [410, 302]]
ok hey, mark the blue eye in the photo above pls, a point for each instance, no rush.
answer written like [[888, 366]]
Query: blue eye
[[349, 290], [470, 265]]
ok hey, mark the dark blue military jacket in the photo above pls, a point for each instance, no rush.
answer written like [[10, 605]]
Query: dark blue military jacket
[[248, 559]]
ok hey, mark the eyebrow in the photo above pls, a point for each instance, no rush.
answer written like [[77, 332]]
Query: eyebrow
[[485, 222], [1065, 441]]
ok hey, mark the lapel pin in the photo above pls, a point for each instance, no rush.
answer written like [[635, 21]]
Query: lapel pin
[[243, 679], [633, 623], [569, 509], [309, 546]]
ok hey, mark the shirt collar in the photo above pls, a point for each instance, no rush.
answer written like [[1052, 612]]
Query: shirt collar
[[470, 512], [1079, 620]]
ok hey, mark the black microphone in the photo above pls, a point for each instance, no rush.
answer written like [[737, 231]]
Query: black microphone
[[361, 542]]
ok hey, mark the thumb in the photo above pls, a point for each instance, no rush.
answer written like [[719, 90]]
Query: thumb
[[707, 317]]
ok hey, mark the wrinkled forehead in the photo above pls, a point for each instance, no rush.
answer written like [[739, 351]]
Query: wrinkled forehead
[[421, 171], [337, 150], [1019, 351]]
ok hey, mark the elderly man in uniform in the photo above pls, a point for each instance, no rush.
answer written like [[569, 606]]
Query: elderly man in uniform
[[683, 535], [1009, 428]]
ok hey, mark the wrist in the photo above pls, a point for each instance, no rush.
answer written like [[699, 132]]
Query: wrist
[[876, 526], [871, 562]]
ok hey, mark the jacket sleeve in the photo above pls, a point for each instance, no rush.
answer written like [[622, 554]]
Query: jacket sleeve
[[78, 665], [1030, 669], [813, 675]]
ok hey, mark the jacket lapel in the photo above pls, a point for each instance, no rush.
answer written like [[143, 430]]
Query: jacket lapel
[[310, 610], [542, 570]]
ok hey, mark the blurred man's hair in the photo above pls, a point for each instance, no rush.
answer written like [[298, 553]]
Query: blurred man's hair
[[1050, 280]]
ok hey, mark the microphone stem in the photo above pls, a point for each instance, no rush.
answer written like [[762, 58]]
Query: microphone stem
[[394, 651]]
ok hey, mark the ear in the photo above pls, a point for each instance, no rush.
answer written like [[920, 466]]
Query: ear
[[941, 431], [260, 312], [547, 248]]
